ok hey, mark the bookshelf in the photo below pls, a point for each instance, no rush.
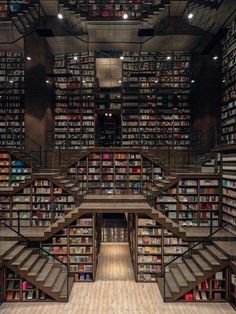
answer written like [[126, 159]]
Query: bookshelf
[[74, 77], [114, 230], [194, 201], [152, 246], [156, 100], [11, 99], [229, 189], [229, 100], [211, 290], [115, 172], [18, 289], [39, 203], [78, 246]]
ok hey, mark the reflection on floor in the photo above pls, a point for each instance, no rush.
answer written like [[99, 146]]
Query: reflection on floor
[[115, 292]]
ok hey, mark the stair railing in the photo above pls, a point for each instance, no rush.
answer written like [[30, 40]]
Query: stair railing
[[188, 253], [42, 252]]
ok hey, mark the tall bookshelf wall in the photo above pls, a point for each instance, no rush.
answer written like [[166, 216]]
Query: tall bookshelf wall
[[115, 173], [229, 81], [156, 91], [11, 100], [74, 76]]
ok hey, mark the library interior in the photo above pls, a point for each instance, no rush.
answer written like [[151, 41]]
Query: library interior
[[118, 156]]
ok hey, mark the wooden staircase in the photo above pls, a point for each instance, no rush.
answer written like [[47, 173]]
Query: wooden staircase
[[47, 274], [184, 275]]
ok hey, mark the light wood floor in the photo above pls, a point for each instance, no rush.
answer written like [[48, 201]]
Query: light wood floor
[[115, 292]]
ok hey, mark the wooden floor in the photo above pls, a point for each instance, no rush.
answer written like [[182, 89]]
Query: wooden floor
[[115, 292]]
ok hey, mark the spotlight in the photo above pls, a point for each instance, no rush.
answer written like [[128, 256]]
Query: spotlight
[[75, 58], [190, 16], [223, 81], [121, 57], [60, 16], [192, 81], [119, 81], [11, 81], [47, 81], [83, 81], [156, 81], [168, 58], [28, 58], [125, 16], [110, 114], [215, 58], [106, 114]]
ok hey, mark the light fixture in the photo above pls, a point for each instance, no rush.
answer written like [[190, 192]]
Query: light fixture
[[83, 81], [190, 16], [47, 81], [110, 114], [120, 82], [60, 16], [168, 57], [28, 58], [223, 81], [125, 16], [121, 57], [11, 81], [75, 58], [192, 81], [215, 58], [106, 114], [156, 81]]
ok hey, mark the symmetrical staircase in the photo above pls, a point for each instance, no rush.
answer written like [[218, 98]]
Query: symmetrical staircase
[[46, 273], [183, 275]]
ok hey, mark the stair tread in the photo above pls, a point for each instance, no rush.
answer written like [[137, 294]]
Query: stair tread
[[59, 283], [29, 263], [209, 257], [22, 257], [173, 286], [168, 293], [64, 288], [44, 272], [37, 267], [14, 252], [179, 277], [52, 276], [194, 267], [199, 260], [186, 272], [216, 252]]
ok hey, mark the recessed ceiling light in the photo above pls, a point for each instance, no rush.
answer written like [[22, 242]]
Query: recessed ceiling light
[[192, 81], [190, 16], [75, 58], [168, 57], [28, 58], [121, 57], [125, 16], [215, 58], [60, 16]]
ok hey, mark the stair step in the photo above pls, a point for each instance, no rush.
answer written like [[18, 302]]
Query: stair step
[[179, 277], [209, 257], [194, 267], [59, 283], [70, 185], [64, 291], [14, 253], [30, 263], [22, 257], [213, 250], [199, 260], [168, 293], [186, 272], [173, 286], [37, 267], [44, 272], [52, 276]]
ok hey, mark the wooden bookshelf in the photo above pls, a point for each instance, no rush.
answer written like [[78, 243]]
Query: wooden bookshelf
[[229, 189], [114, 230], [193, 201], [211, 290], [115, 173], [11, 99], [152, 246], [20, 290], [229, 100], [74, 76], [77, 245]]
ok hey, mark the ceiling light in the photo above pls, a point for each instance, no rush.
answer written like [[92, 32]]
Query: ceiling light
[[28, 58], [215, 57], [83, 81], [168, 57], [156, 81], [110, 114], [106, 114], [190, 16], [121, 57], [223, 81], [75, 58], [11, 81], [47, 81], [193, 81], [60, 16], [120, 82], [125, 16]]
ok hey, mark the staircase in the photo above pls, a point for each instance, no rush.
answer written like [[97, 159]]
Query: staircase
[[46, 273], [183, 275]]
